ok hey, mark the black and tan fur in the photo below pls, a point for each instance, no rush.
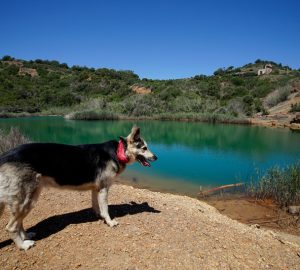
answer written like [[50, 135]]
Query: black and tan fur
[[29, 167]]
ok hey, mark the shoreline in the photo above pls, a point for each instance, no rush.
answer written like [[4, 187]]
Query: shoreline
[[271, 123], [251, 121], [239, 207]]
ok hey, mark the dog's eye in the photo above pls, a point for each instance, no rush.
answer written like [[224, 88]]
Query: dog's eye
[[145, 148], [138, 145]]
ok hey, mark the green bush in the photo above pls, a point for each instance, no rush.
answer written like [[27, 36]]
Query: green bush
[[280, 95], [237, 81], [258, 106], [295, 107], [281, 185]]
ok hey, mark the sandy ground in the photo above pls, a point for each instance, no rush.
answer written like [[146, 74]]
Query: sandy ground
[[156, 231]]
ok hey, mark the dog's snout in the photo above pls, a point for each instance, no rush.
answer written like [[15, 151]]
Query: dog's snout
[[154, 157]]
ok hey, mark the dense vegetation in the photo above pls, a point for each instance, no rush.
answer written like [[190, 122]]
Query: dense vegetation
[[280, 184], [50, 87]]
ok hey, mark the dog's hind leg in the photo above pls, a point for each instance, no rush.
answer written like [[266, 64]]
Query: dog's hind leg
[[26, 235], [95, 204], [102, 200], [16, 230], [19, 210], [24, 193]]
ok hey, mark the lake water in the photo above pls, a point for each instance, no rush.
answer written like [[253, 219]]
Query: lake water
[[190, 154]]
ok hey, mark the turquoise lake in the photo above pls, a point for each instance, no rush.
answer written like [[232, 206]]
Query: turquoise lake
[[190, 154]]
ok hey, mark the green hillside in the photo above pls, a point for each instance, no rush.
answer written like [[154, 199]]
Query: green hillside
[[43, 86]]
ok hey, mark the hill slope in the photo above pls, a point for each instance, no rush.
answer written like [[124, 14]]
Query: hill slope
[[41, 85]]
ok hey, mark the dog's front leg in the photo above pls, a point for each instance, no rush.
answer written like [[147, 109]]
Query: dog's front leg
[[102, 200], [95, 203]]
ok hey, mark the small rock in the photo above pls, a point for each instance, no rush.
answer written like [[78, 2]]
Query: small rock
[[293, 209]]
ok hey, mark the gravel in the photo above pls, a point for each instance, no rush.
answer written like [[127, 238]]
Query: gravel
[[156, 231]]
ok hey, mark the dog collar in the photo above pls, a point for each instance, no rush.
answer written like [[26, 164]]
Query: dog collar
[[122, 158]]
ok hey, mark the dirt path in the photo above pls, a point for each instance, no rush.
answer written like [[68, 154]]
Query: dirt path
[[156, 231]]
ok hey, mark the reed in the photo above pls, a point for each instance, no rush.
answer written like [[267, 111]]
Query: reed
[[13, 115], [200, 117], [11, 139], [279, 184], [92, 115]]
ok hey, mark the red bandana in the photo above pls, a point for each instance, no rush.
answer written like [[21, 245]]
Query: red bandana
[[121, 153]]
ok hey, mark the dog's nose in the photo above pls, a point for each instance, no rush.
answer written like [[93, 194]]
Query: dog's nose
[[154, 157]]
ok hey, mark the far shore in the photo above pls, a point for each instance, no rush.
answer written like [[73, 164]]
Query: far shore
[[267, 121]]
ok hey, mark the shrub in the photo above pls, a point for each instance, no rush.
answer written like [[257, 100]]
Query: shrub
[[258, 106], [237, 81], [92, 115], [169, 93], [278, 96], [281, 185], [248, 99], [7, 58], [262, 88], [295, 107], [219, 72]]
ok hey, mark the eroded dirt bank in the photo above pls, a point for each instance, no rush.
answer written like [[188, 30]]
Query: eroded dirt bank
[[156, 231]]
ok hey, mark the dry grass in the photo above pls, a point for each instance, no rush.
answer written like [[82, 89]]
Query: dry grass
[[11, 140], [280, 184]]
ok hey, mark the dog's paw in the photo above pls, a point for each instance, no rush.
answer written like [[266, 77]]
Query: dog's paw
[[27, 244], [112, 223]]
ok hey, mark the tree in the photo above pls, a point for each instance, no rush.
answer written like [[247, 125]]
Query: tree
[[7, 58], [219, 71]]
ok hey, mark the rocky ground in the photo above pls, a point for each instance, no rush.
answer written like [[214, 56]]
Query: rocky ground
[[156, 231], [280, 115]]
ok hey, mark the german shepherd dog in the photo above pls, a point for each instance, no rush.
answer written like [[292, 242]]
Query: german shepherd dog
[[25, 169]]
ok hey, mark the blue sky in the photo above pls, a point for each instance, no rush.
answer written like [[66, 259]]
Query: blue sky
[[155, 39]]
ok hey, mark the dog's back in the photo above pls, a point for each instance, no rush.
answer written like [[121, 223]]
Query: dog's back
[[68, 165]]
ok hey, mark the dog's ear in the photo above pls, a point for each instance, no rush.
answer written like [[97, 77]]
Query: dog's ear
[[135, 133], [122, 139]]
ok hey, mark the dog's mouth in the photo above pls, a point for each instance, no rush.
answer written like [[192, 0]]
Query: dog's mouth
[[143, 161]]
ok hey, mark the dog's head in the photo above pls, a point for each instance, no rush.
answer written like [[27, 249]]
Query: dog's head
[[136, 148]]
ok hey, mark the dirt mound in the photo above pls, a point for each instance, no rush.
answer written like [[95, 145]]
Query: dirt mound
[[28, 71], [156, 231], [141, 90]]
